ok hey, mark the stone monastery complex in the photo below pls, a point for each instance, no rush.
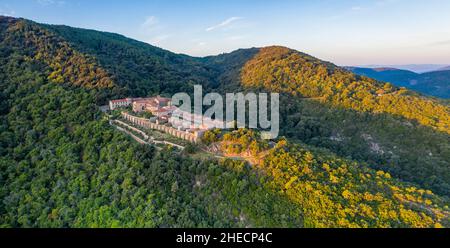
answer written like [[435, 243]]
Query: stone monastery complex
[[184, 125]]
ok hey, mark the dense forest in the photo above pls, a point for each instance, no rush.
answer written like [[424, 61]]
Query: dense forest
[[138, 68], [355, 117], [62, 165], [333, 192], [280, 69], [391, 128]]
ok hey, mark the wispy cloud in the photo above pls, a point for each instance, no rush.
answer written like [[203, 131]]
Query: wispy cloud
[[152, 31], [357, 8], [225, 23], [6, 11], [385, 2], [150, 23], [10, 13], [50, 2], [375, 4], [441, 43]]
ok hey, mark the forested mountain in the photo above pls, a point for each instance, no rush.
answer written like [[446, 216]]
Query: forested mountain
[[137, 67], [392, 129], [357, 152], [62, 165], [435, 83]]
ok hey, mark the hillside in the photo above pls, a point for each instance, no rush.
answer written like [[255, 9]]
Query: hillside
[[326, 106], [63, 60], [435, 83], [139, 68], [328, 188], [283, 70], [62, 165]]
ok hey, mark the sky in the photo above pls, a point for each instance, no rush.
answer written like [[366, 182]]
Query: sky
[[345, 32]]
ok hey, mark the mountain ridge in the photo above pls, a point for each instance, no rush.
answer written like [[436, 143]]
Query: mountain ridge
[[447, 68], [140, 69], [416, 68], [52, 134]]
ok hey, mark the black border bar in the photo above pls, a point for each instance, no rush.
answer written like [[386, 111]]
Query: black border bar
[[278, 237]]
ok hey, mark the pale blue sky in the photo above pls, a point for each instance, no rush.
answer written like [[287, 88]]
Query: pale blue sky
[[346, 32]]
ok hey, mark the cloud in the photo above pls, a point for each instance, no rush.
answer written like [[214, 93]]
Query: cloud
[[7, 12], [50, 2], [151, 25], [150, 22], [152, 32], [357, 8], [441, 43], [385, 2], [376, 4], [225, 23]]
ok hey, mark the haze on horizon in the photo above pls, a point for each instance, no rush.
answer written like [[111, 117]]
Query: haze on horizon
[[352, 32]]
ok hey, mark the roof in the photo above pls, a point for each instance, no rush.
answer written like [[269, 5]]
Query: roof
[[142, 101], [165, 109], [163, 99], [170, 108], [152, 101], [119, 100]]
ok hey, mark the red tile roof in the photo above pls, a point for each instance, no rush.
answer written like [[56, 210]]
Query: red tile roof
[[119, 100]]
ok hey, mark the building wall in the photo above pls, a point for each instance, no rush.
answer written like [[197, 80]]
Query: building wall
[[152, 104], [120, 103], [139, 107], [191, 137]]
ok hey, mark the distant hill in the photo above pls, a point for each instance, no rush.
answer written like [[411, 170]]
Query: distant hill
[[447, 68], [396, 76], [435, 83], [417, 68]]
